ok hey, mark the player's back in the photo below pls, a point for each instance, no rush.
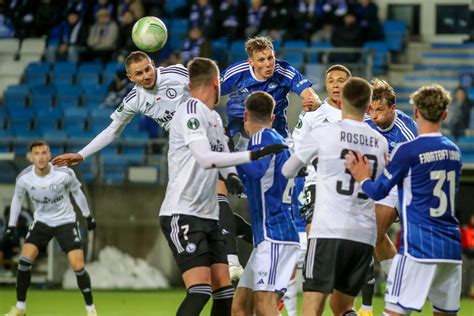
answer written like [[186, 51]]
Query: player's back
[[268, 192], [342, 210], [427, 196]]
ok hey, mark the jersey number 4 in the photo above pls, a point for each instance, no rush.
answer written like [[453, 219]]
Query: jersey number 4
[[440, 177], [345, 189]]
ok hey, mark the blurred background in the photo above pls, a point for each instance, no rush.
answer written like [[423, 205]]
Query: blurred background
[[58, 81]]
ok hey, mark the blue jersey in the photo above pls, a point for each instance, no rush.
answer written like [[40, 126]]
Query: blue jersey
[[239, 80], [402, 129], [296, 204], [427, 172], [268, 192]]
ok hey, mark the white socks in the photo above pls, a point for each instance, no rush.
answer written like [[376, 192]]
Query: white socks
[[290, 299], [385, 265], [366, 308], [90, 308], [21, 305]]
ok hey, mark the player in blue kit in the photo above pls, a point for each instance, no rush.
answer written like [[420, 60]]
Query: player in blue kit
[[396, 127], [426, 171], [263, 72], [260, 72], [276, 241]]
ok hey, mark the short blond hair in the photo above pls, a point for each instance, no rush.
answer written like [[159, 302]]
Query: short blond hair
[[258, 44], [135, 57], [382, 91], [432, 101]]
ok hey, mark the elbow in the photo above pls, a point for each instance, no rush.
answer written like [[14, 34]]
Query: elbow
[[286, 172]]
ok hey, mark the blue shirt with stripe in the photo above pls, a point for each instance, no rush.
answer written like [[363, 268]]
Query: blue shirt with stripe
[[296, 205], [238, 81], [270, 210], [403, 129], [427, 171]]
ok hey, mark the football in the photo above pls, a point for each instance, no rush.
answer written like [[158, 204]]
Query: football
[[149, 34]]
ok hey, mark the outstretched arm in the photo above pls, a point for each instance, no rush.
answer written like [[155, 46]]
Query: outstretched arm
[[107, 136]]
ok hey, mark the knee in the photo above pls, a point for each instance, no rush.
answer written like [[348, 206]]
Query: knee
[[77, 266]]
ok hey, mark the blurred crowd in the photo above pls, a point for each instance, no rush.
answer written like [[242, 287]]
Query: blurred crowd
[[98, 29]]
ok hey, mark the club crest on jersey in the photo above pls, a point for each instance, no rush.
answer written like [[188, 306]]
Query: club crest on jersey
[[272, 85], [171, 93], [193, 123], [299, 124], [191, 247], [54, 187], [120, 107]]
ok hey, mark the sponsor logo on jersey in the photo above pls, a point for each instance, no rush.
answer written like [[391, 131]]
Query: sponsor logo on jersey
[[393, 144], [219, 147], [272, 85], [262, 273], [167, 117], [191, 247], [301, 83], [193, 123], [171, 93], [120, 108]]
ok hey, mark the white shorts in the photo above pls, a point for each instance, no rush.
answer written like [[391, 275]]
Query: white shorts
[[410, 283], [302, 251], [391, 200], [270, 267]]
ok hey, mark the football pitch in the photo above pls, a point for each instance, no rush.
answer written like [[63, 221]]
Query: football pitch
[[137, 303]]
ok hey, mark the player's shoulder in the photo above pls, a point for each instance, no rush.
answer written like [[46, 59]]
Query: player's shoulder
[[174, 73], [132, 96], [64, 170], [235, 70], [266, 136], [24, 172], [284, 70]]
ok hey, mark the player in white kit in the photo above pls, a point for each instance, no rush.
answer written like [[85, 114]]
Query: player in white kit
[[156, 94], [189, 214], [48, 188], [343, 230]]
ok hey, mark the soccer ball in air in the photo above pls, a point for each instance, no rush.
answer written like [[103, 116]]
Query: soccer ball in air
[[149, 34]]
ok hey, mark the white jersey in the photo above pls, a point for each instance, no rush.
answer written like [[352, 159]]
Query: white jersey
[[49, 194], [342, 210], [191, 189], [307, 121], [158, 103]]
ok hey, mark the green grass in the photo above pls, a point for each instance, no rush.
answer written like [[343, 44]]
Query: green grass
[[136, 303]]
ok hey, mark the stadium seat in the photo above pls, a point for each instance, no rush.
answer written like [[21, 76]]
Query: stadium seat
[[8, 48], [93, 93], [69, 94], [63, 72], [87, 171], [380, 57], [395, 32], [18, 94], [21, 118], [32, 48], [75, 116], [295, 44], [237, 51], [114, 168], [295, 58], [314, 56]]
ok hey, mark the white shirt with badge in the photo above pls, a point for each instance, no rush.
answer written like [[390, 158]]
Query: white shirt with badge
[[49, 195], [158, 103], [307, 121], [191, 189]]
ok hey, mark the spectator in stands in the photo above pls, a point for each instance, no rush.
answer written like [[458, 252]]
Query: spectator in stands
[[459, 114], [467, 244], [349, 34], [22, 14], [305, 17], [104, 4], [103, 37], [7, 29], [70, 36], [125, 43], [254, 17], [367, 17], [195, 45], [48, 14], [331, 11], [202, 16], [277, 21], [232, 18], [133, 6]]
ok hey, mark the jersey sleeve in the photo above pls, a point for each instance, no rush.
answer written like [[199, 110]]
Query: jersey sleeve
[[309, 148], [15, 207], [73, 183], [301, 129], [393, 173], [127, 109], [229, 77], [192, 122], [299, 82]]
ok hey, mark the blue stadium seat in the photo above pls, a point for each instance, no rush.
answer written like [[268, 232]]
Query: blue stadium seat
[[75, 116], [93, 93], [63, 72], [70, 94], [295, 44], [17, 93], [5, 141], [21, 118], [115, 168], [100, 115], [395, 32], [86, 171], [380, 56], [237, 51], [295, 58], [91, 67], [314, 57], [88, 78]]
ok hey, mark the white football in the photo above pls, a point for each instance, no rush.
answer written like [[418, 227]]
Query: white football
[[149, 34]]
